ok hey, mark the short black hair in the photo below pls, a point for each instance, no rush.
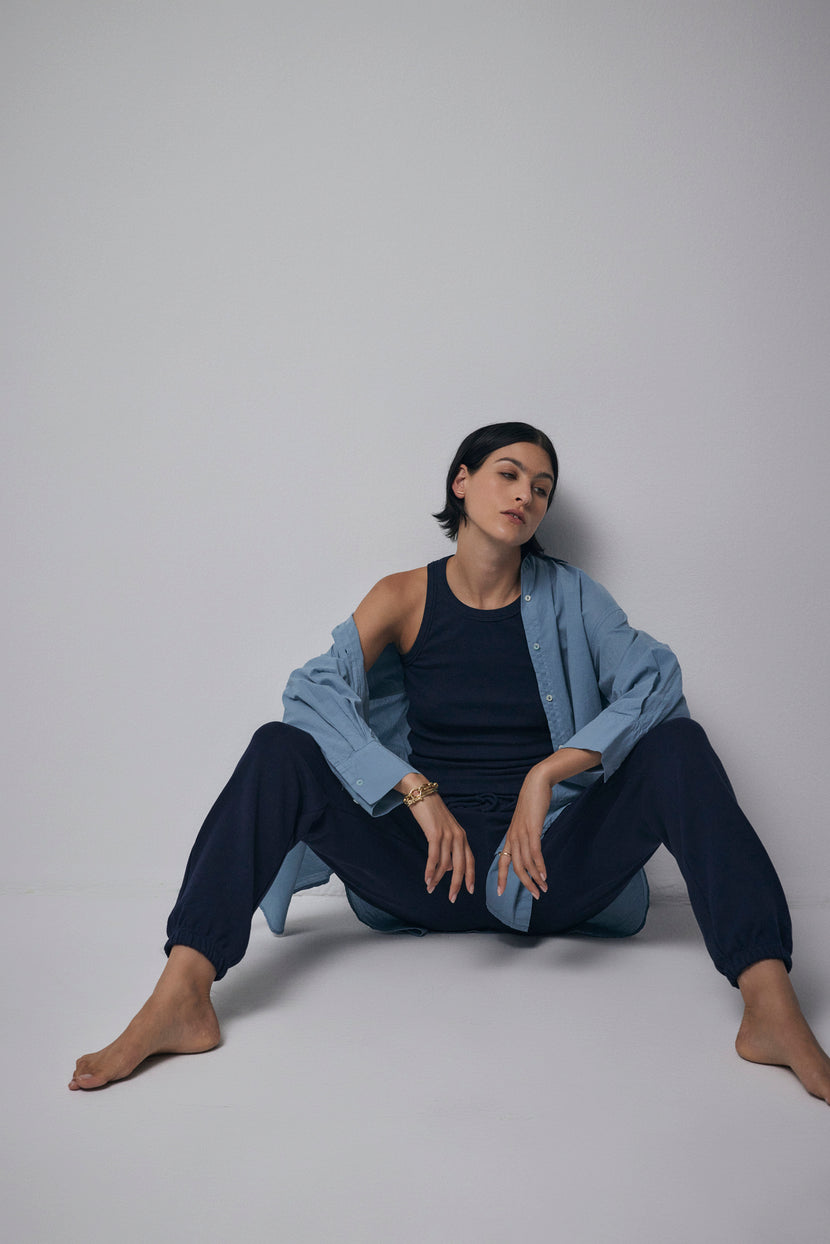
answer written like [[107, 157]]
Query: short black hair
[[472, 452]]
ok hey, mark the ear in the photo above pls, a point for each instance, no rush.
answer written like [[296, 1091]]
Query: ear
[[458, 483]]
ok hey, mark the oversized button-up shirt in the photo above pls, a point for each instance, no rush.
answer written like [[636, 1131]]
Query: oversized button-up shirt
[[602, 683]]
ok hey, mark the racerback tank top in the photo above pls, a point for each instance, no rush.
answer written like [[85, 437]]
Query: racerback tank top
[[476, 719]]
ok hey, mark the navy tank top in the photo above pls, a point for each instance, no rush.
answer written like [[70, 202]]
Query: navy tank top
[[476, 721]]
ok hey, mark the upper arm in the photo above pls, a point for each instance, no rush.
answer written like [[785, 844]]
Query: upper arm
[[391, 613]]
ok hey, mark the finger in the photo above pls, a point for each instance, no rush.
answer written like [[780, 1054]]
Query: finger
[[521, 865], [443, 866], [433, 858], [469, 869], [529, 882], [539, 867], [531, 864], [459, 864], [504, 865]]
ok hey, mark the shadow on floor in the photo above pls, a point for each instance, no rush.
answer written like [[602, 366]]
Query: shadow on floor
[[276, 967]]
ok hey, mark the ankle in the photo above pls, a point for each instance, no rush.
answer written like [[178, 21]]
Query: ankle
[[187, 971], [766, 982]]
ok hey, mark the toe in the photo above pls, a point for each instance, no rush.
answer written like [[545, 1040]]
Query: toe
[[87, 1081], [88, 1075]]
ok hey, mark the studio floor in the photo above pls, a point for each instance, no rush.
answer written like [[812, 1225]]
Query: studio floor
[[401, 1090]]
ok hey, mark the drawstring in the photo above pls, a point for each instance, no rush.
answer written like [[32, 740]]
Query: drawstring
[[484, 802]]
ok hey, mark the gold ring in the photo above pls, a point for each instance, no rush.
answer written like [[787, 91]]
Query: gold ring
[[507, 853]]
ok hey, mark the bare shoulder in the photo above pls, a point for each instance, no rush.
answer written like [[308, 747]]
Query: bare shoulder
[[391, 613], [395, 593]]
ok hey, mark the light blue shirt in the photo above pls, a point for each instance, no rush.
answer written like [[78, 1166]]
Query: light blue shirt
[[603, 685]]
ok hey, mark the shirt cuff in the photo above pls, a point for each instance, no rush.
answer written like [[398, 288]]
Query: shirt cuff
[[613, 739], [371, 775]]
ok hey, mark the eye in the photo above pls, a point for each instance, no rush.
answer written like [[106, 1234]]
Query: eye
[[509, 474], [542, 492]]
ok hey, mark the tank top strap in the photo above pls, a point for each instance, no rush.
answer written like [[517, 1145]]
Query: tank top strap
[[437, 589]]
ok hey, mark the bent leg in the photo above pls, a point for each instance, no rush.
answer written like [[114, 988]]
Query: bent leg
[[278, 789], [283, 792], [671, 790], [240, 847]]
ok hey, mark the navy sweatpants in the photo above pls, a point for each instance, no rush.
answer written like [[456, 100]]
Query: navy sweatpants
[[671, 789]]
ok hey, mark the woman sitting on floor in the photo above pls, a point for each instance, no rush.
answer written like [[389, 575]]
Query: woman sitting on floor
[[488, 745]]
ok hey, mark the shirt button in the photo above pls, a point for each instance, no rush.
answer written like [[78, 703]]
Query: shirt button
[[527, 598], [359, 782], [548, 697], [536, 646]]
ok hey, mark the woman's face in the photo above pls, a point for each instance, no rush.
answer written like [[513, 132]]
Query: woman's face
[[507, 497]]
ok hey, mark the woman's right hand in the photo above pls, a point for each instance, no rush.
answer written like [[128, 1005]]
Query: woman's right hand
[[449, 850]]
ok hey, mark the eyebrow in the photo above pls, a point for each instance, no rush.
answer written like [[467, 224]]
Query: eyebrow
[[522, 467]]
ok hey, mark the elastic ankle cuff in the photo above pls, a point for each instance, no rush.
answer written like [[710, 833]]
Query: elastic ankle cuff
[[204, 945], [733, 967]]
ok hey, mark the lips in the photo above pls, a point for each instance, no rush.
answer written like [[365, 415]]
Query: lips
[[516, 515]]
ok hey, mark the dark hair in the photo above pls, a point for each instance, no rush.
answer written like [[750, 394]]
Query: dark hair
[[472, 452]]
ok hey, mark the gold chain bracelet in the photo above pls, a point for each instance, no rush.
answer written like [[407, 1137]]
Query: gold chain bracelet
[[420, 792]]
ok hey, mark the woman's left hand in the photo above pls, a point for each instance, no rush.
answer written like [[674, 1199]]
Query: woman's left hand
[[523, 844]]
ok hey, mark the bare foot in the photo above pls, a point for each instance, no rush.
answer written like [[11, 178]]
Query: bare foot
[[774, 1030], [178, 1018]]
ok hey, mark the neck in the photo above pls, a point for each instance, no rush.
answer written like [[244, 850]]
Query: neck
[[485, 579]]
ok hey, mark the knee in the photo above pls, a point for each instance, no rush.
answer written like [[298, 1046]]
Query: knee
[[677, 740], [276, 738], [683, 765], [679, 732]]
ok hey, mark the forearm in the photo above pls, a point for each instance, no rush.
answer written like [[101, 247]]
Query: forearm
[[522, 844], [567, 763]]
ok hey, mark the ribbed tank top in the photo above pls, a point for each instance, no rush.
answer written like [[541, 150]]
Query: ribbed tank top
[[476, 720]]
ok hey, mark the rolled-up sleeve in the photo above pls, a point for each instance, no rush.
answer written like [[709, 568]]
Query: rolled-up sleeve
[[639, 680], [320, 699]]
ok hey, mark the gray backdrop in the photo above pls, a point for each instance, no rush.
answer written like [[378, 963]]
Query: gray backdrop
[[267, 262]]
